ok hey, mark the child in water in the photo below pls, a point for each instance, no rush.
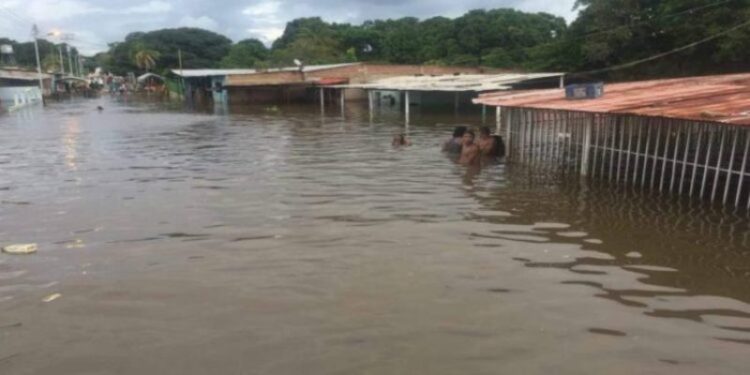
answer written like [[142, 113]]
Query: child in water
[[470, 152], [487, 143], [400, 140], [454, 144]]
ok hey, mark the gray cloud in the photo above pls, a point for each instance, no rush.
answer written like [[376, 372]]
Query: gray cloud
[[95, 23]]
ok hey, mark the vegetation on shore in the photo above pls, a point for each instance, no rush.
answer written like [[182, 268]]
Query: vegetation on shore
[[607, 33]]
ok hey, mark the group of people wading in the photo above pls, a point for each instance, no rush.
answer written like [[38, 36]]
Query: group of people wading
[[465, 145], [473, 151]]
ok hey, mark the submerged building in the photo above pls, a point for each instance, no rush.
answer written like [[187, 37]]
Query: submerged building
[[686, 137], [296, 84], [20, 88]]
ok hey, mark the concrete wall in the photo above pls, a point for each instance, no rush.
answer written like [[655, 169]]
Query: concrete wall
[[12, 98], [270, 94], [272, 78]]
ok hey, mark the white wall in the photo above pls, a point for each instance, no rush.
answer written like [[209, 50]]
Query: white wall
[[12, 98]]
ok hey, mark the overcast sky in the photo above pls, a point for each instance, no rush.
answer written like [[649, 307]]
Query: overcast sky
[[94, 23]]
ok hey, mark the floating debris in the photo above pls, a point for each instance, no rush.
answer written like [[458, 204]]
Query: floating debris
[[52, 297], [634, 254], [27, 248], [75, 244]]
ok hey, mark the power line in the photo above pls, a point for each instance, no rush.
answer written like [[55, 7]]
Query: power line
[[664, 54], [15, 22], [671, 15], [18, 16]]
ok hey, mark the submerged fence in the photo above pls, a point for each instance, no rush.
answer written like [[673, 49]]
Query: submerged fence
[[700, 160]]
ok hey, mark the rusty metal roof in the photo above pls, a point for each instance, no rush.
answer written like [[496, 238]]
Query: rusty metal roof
[[453, 82], [721, 98]]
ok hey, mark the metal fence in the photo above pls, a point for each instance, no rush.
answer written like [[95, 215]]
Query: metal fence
[[700, 160]]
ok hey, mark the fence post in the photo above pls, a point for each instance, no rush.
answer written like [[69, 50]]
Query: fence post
[[497, 119], [586, 147]]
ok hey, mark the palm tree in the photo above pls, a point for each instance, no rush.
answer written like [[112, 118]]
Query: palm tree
[[145, 58]]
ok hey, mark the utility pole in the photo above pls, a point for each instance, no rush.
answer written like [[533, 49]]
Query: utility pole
[[35, 33], [62, 62], [70, 60], [75, 66], [182, 78]]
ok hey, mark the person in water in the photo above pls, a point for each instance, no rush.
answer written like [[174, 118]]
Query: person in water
[[400, 140], [487, 143], [469, 150], [454, 144]]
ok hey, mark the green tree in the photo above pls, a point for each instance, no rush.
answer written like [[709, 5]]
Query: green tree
[[612, 32], [200, 49], [310, 49], [245, 54], [437, 39], [401, 40]]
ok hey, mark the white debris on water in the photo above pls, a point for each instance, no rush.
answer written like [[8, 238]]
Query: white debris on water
[[52, 297], [27, 248], [634, 254]]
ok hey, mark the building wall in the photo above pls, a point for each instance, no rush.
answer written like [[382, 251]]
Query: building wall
[[243, 84], [273, 78], [269, 94], [16, 97]]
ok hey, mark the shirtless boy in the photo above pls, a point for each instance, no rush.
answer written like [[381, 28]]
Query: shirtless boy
[[469, 150]]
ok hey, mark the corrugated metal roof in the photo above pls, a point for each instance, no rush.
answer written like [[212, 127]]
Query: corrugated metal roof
[[721, 98], [453, 83], [191, 73], [145, 76]]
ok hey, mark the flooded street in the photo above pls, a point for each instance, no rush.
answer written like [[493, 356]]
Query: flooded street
[[274, 241]]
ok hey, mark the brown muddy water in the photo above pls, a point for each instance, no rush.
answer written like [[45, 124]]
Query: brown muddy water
[[278, 242]]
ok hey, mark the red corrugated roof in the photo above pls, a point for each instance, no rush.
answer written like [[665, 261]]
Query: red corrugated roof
[[723, 98], [332, 81]]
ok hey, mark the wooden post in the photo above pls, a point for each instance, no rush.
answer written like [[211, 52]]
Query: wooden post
[[406, 106], [455, 103], [719, 160], [370, 103], [342, 97], [508, 127], [322, 102], [498, 116], [586, 150], [484, 114], [731, 166], [742, 169]]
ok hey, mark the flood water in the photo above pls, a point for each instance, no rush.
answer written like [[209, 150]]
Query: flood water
[[274, 241]]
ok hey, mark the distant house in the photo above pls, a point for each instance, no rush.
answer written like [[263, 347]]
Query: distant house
[[293, 84], [150, 82]]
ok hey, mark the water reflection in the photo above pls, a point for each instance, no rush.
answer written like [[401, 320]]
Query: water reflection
[[70, 142]]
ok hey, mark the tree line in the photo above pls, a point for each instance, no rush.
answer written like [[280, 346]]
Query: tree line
[[605, 35], [49, 54]]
